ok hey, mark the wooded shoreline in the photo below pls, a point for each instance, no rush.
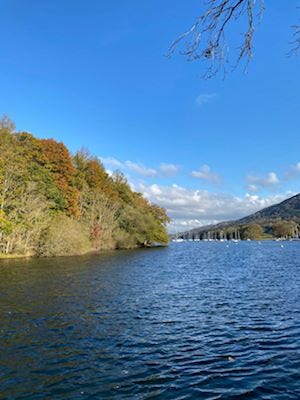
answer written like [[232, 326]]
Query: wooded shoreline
[[90, 252], [53, 203]]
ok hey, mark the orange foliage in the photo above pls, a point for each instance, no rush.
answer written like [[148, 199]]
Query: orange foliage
[[59, 163], [98, 179]]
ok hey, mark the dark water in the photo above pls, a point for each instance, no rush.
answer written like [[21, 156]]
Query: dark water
[[193, 321]]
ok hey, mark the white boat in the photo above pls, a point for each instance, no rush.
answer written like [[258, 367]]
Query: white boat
[[178, 240]]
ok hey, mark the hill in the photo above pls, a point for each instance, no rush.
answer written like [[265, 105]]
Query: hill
[[279, 220], [287, 210]]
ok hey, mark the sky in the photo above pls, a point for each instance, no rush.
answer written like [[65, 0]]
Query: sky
[[94, 74]]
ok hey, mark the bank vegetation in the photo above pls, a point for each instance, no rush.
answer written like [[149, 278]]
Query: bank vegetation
[[53, 203]]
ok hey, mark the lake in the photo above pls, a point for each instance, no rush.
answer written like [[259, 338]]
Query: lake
[[201, 320]]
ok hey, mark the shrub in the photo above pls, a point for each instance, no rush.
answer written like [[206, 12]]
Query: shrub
[[64, 236]]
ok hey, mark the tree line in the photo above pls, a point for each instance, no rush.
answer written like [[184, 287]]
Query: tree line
[[277, 228], [53, 203]]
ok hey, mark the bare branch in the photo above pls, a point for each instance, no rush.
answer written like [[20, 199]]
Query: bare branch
[[206, 39], [296, 42]]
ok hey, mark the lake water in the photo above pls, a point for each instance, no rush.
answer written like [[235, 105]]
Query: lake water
[[193, 321]]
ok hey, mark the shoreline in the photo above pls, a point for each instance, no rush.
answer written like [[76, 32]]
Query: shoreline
[[19, 256]]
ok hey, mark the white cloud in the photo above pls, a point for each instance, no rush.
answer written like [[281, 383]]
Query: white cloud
[[205, 173], [205, 98], [270, 181], [293, 172], [191, 208], [140, 169], [297, 167], [252, 188], [168, 170], [156, 191], [164, 170], [111, 162]]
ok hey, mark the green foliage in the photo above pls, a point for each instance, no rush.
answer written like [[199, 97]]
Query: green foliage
[[144, 222], [64, 237], [283, 229], [252, 231], [6, 227], [55, 204]]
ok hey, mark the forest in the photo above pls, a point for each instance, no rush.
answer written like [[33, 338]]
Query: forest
[[53, 203]]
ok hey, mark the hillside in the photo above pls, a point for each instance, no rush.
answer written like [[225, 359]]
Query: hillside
[[288, 210], [279, 220]]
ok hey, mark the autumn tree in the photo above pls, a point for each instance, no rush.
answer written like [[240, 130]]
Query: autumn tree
[[27, 222], [12, 170], [6, 124], [64, 236], [252, 231], [98, 199], [55, 204], [60, 165], [283, 229]]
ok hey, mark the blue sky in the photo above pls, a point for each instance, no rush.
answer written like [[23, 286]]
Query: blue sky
[[94, 74]]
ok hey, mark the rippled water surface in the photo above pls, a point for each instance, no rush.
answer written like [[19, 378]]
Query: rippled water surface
[[192, 321]]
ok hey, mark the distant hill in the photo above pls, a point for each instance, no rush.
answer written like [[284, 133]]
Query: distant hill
[[288, 210], [267, 218]]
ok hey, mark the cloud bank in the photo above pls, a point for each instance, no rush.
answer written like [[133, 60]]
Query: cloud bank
[[191, 208], [270, 181], [164, 170]]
